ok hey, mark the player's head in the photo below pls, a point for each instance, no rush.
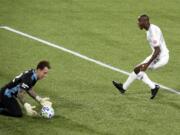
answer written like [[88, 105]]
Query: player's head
[[42, 69], [143, 22]]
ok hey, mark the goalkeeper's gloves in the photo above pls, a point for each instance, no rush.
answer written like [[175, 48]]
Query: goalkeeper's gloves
[[44, 101], [29, 110]]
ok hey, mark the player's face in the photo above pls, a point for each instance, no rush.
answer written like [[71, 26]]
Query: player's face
[[42, 73], [143, 23], [140, 23]]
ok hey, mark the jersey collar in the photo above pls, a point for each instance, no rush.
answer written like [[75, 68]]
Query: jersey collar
[[35, 75]]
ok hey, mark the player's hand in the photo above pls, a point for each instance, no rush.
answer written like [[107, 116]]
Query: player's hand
[[29, 110], [144, 66], [44, 101]]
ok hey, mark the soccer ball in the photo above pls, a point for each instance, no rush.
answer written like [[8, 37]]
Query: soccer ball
[[47, 112]]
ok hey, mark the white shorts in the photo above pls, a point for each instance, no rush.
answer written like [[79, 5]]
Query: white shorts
[[158, 62]]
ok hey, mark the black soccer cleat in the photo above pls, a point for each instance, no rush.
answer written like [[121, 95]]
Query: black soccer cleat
[[154, 91], [119, 86]]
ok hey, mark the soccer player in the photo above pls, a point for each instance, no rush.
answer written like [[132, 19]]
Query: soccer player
[[16, 89], [158, 58]]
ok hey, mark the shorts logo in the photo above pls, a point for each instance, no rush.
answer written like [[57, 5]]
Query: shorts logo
[[154, 41]]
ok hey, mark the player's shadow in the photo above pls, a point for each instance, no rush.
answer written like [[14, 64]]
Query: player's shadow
[[68, 124]]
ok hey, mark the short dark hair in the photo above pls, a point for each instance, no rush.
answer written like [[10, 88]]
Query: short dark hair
[[42, 64], [146, 17]]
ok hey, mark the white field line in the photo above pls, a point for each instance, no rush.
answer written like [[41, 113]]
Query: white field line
[[78, 55], [2, 26]]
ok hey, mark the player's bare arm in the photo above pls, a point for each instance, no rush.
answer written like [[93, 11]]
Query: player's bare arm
[[43, 101], [32, 93], [39, 99], [144, 66], [20, 96]]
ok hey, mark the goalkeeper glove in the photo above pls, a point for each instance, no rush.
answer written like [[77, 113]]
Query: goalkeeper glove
[[29, 109], [44, 101]]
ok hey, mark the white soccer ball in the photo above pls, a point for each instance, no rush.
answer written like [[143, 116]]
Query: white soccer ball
[[47, 112]]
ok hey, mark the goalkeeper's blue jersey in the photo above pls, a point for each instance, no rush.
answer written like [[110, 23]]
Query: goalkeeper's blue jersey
[[24, 81]]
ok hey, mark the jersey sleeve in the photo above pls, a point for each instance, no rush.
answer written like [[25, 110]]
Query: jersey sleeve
[[155, 37]]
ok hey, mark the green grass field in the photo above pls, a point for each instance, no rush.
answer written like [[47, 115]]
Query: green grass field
[[84, 99]]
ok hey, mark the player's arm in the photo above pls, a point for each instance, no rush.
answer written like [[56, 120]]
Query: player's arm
[[20, 96], [32, 93], [27, 85], [154, 56], [27, 106], [42, 101]]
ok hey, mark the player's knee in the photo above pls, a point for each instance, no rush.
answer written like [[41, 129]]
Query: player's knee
[[137, 70]]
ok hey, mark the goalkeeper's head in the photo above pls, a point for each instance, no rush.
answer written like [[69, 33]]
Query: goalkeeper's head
[[42, 69]]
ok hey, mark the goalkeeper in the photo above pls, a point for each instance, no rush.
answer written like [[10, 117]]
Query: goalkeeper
[[21, 84]]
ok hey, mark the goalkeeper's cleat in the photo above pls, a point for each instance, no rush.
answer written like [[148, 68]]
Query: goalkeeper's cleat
[[119, 86], [154, 91]]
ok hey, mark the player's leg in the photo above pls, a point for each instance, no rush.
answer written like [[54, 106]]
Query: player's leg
[[133, 76], [123, 87], [141, 75], [138, 74], [11, 107], [154, 87], [161, 61]]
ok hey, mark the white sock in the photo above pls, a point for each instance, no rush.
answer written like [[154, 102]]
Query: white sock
[[130, 79], [143, 76]]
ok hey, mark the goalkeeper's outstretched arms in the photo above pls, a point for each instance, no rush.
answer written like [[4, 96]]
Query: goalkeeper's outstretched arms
[[43, 101]]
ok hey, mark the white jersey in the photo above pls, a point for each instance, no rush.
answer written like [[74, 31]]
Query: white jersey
[[155, 39]]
